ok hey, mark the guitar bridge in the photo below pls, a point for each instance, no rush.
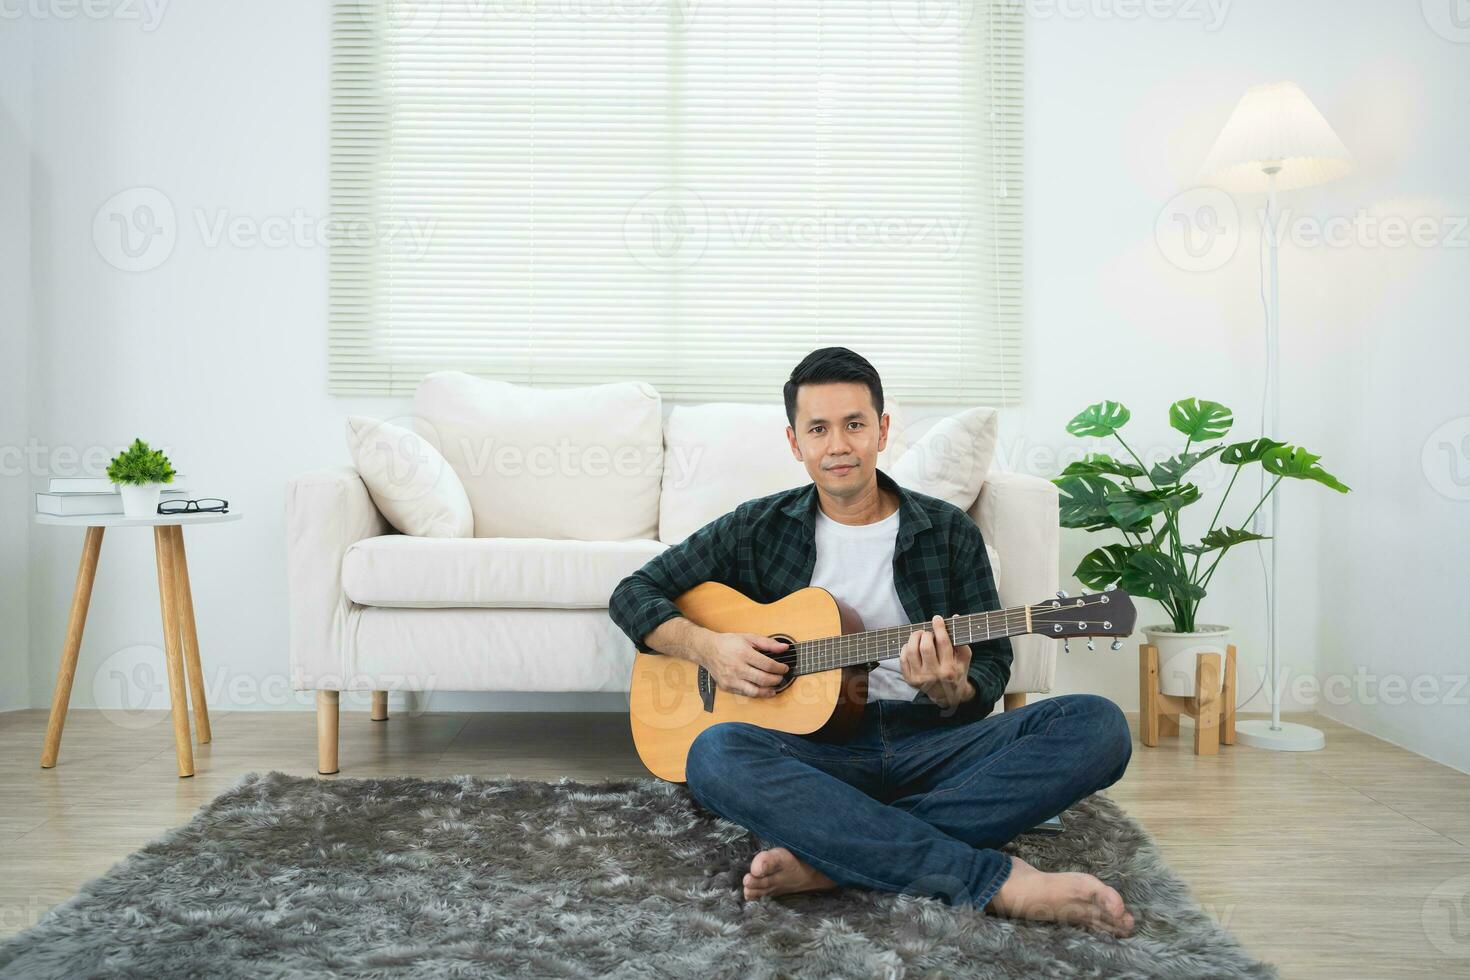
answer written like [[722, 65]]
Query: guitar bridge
[[706, 689]]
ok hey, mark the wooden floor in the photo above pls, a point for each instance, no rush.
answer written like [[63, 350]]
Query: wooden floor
[[1347, 862]]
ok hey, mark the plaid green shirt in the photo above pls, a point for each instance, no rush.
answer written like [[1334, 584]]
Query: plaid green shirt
[[766, 548]]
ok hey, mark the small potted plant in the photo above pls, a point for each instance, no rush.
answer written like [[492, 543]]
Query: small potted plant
[[140, 473], [1143, 504]]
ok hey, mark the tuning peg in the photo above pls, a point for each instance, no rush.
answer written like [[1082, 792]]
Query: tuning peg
[[1117, 644], [1061, 593], [1110, 588], [1067, 645], [1090, 645]]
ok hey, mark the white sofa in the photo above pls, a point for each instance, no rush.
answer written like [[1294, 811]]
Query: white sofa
[[522, 605]]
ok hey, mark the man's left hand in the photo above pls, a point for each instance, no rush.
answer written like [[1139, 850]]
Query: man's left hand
[[934, 665]]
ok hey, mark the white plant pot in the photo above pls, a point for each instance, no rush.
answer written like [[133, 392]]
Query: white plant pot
[[1177, 652], [140, 499]]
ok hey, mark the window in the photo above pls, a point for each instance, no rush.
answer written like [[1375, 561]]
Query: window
[[693, 193]]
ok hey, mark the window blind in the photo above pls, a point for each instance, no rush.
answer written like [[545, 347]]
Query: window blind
[[693, 193]]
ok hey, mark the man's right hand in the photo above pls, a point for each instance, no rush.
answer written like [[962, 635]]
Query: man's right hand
[[738, 662]]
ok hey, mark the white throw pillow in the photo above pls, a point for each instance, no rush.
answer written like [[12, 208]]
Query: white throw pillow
[[567, 463], [951, 458], [720, 454], [409, 480]]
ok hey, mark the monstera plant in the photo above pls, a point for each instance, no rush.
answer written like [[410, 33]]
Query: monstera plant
[[1143, 503]]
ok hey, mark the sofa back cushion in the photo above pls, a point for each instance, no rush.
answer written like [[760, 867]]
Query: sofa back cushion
[[579, 463], [720, 454]]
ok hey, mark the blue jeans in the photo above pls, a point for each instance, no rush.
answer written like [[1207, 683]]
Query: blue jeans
[[914, 803]]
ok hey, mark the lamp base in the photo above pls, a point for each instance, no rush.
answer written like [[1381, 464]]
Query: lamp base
[[1288, 737]]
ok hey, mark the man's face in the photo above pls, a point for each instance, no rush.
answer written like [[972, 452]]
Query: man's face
[[838, 435]]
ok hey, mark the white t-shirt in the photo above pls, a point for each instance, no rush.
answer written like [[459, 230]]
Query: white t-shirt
[[855, 564]]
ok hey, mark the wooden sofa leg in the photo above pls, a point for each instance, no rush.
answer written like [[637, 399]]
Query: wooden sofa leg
[[1013, 700], [326, 731], [380, 706]]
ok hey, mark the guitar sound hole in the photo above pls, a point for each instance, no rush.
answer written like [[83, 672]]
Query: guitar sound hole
[[790, 676]]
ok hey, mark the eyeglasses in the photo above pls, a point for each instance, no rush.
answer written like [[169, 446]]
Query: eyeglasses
[[205, 505]]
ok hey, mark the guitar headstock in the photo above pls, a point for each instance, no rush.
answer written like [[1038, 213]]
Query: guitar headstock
[[1107, 613]]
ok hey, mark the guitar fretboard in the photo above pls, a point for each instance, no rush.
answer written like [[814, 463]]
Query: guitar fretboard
[[832, 652]]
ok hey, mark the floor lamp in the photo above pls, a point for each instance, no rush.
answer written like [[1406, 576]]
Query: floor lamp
[[1276, 140]]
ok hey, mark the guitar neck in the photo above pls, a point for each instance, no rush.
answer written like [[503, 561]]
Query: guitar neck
[[852, 649]]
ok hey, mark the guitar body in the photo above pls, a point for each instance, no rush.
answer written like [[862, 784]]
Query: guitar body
[[667, 709]]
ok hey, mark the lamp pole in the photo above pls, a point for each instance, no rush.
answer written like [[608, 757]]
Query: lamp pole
[[1277, 133], [1288, 736]]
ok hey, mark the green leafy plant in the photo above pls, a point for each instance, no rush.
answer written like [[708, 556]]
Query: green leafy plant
[[1143, 503], [140, 464]]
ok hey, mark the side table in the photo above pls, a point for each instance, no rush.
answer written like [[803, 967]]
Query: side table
[[176, 602]]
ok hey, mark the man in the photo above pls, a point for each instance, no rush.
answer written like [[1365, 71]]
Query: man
[[929, 789]]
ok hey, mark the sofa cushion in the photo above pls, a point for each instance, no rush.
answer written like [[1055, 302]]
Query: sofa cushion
[[409, 480], [543, 573], [575, 463], [721, 454], [951, 458]]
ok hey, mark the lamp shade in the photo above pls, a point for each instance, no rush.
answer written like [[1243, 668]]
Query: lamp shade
[[1275, 125]]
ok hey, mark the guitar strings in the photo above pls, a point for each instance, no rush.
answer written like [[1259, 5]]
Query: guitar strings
[[830, 652]]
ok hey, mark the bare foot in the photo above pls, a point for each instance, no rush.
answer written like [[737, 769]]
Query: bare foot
[[1071, 897], [776, 871]]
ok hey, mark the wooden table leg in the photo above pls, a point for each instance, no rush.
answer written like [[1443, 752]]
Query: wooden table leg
[[178, 700], [190, 635], [380, 706], [81, 599]]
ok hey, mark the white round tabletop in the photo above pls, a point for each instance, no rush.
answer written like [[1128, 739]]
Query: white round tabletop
[[122, 520]]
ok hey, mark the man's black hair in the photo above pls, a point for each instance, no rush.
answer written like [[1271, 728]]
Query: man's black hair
[[832, 364]]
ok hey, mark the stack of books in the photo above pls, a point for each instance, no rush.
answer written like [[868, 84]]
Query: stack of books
[[73, 496]]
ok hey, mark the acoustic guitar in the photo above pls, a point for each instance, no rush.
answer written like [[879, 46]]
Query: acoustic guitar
[[672, 700]]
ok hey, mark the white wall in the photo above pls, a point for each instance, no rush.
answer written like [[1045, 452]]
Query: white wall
[[220, 353], [15, 315]]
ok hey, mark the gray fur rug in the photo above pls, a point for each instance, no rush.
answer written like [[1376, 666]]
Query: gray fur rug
[[283, 876]]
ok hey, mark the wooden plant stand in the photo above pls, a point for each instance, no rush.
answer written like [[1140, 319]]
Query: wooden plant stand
[[1212, 707]]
